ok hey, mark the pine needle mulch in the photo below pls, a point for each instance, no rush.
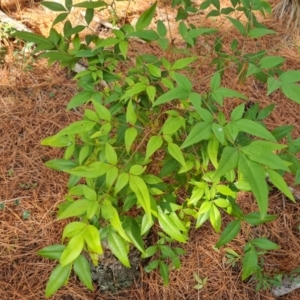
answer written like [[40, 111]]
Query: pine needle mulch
[[33, 106]]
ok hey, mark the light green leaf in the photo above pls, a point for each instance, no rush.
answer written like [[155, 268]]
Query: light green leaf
[[256, 177], [219, 133], [111, 214], [137, 170], [72, 250], [118, 247], [83, 270], [169, 227], [212, 151], [228, 93], [92, 239], [52, 252], [89, 193], [130, 136], [154, 71], [134, 90], [238, 25], [130, 113], [254, 128], [111, 177], [290, 76], [56, 141], [58, 277], [229, 233], [215, 81], [77, 127], [237, 113], [215, 218], [102, 111], [94, 170], [73, 229], [123, 46], [76, 208], [88, 4], [201, 131], [151, 92], [279, 182], [122, 181], [229, 161], [176, 153], [172, 125], [154, 143], [110, 154], [79, 98], [60, 164]]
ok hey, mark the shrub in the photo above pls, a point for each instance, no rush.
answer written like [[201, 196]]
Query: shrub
[[150, 150]]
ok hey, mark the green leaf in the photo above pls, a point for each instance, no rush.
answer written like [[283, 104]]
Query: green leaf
[[172, 125], [176, 153], [77, 127], [229, 161], [146, 18], [259, 32], [183, 62], [238, 25], [60, 164], [154, 143], [273, 85], [58, 277], [215, 81], [72, 250], [269, 62], [130, 114], [80, 98], [161, 28], [34, 38], [194, 33], [264, 244], [250, 263], [201, 131], [122, 181], [151, 92], [215, 218], [102, 111], [118, 247], [56, 55], [228, 93], [94, 170], [150, 251], [169, 227], [183, 82], [88, 4], [147, 35], [52, 252], [164, 272], [61, 17], [176, 93], [110, 154], [134, 90], [279, 182], [290, 76], [282, 131], [92, 239], [111, 176], [212, 151], [76, 208], [254, 128], [255, 219], [265, 112], [291, 90], [237, 113], [139, 187], [111, 214], [154, 71], [256, 177], [130, 136], [137, 170], [133, 231], [83, 270], [229, 233], [73, 229]]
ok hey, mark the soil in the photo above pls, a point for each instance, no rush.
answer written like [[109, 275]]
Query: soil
[[33, 100]]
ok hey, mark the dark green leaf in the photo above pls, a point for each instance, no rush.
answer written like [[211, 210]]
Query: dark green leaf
[[229, 233]]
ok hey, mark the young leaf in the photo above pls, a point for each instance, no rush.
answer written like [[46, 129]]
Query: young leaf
[[58, 277], [154, 143], [52, 252], [229, 233], [110, 154], [83, 270], [122, 181], [92, 239], [76, 208], [146, 18], [72, 250], [215, 218], [250, 263], [73, 229], [118, 247]]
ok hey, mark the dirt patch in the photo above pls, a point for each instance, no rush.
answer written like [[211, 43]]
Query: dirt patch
[[33, 106]]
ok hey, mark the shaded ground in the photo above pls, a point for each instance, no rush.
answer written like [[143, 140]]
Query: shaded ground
[[32, 106]]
